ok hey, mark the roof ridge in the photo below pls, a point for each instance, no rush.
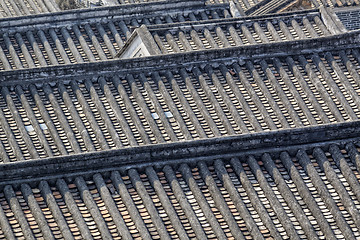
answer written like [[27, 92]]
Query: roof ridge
[[175, 153]]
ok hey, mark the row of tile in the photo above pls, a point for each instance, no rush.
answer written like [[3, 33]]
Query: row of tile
[[239, 32], [13, 8], [81, 43], [164, 105], [102, 41], [310, 195]]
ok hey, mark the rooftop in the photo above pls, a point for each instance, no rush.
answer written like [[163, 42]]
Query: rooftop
[[181, 119]]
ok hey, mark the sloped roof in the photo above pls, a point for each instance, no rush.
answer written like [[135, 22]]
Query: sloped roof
[[254, 140], [202, 98], [87, 35], [13, 8], [258, 8], [307, 187], [349, 17], [224, 33]]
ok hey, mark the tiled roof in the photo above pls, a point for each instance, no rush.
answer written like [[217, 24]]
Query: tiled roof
[[231, 127], [349, 17], [258, 8], [133, 107], [184, 37], [87, 35], [12, 8], [305, 191]]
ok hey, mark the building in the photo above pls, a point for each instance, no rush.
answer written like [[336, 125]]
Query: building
[[179, 120]]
